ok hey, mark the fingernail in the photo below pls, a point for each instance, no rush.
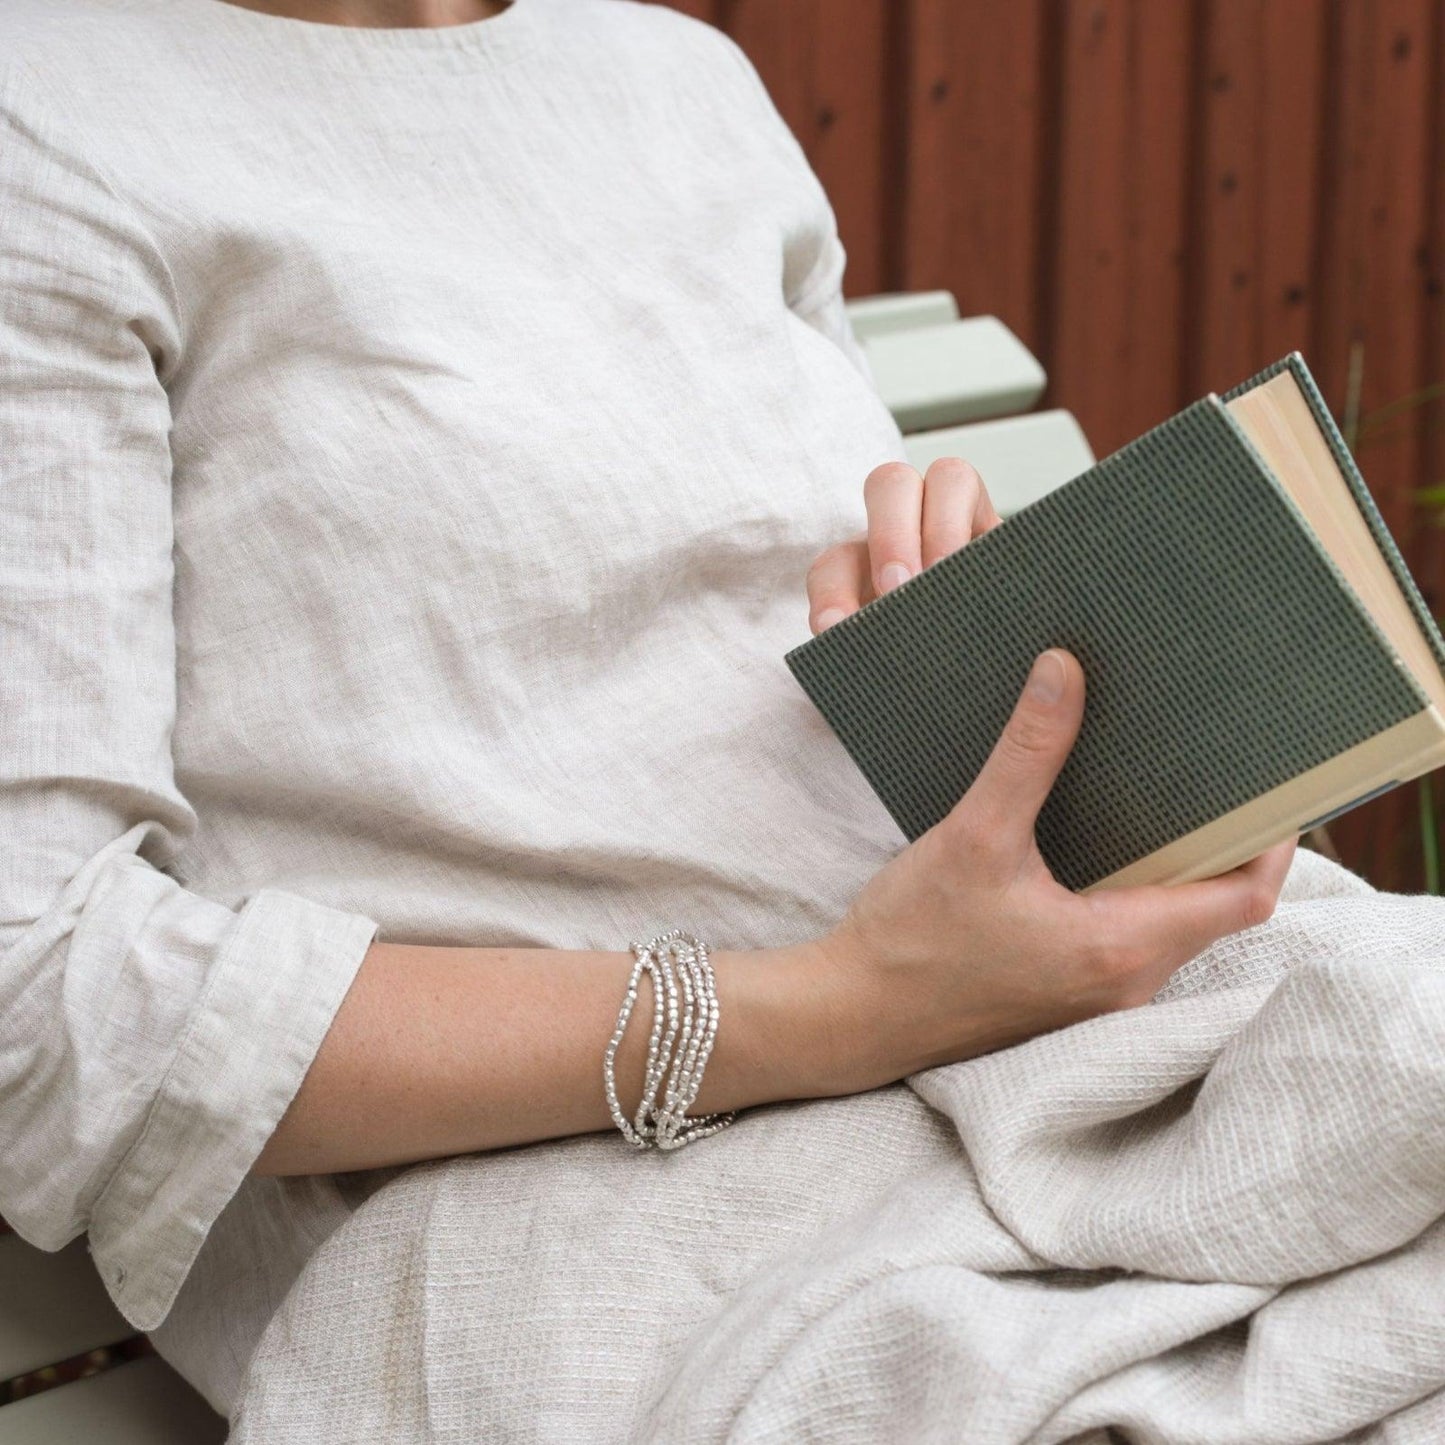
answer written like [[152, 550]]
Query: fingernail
[[829, 616], [1046, 679], [893, 575]]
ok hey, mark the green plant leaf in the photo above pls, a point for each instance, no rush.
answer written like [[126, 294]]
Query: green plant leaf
[[1425, 396], [1354, 389], [1405, 426], [1429, 835]]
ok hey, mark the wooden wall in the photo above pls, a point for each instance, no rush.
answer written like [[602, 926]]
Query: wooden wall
[[1159, 196]]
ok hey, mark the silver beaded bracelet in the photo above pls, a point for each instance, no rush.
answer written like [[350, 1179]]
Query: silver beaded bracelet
[[684, 1027]]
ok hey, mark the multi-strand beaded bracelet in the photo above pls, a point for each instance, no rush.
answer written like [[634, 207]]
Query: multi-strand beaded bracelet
[[678, 1047]]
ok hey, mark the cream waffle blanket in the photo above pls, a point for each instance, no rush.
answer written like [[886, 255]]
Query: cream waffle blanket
[[1214, 1219]]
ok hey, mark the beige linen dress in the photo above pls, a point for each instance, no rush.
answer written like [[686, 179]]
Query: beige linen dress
[[412, 445]]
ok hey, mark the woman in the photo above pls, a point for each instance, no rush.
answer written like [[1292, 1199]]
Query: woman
[[418, 421]]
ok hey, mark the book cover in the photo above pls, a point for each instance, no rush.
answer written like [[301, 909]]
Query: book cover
[[1223, 652]]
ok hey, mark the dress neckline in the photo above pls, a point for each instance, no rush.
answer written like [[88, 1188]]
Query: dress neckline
[[407, 49]]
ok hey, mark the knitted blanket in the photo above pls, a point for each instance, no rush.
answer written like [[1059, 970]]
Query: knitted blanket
[[1214, 1219]]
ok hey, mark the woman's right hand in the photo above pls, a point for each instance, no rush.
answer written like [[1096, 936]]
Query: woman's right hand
[[964, 942]]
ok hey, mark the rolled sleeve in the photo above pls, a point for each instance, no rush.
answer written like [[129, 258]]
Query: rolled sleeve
[[150, 1037], [196, 1100], [279, 971]]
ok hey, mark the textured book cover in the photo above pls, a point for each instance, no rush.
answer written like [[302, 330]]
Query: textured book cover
[[1223, 652]]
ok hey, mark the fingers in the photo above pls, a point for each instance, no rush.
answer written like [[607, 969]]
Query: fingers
[[837, 583], [915, 520], [893, 496], [1005, 798], [1175, 922], [956, 507]]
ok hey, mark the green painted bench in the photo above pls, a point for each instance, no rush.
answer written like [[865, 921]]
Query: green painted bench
[[957, 388], [965, 388]]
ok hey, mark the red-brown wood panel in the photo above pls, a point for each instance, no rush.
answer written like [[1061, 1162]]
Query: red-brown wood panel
[[1373, 231], [826, 64], [1290, 138], [1228, 206], [699, 9], [1088, 350], [1430, 568], [973, 206], [1162, 76], [1430, 551], [1257, 204], [1119, 241]]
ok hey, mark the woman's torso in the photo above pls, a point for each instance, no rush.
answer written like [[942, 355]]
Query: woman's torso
[[499, 459]]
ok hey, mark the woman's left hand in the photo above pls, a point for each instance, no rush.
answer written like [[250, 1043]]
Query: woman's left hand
[[913, 520]]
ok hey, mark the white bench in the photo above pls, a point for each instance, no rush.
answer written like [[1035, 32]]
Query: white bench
[[957, 387]]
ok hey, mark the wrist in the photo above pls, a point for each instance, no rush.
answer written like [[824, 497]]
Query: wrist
[[871, 1037], [858, 1024], [784, 1031]]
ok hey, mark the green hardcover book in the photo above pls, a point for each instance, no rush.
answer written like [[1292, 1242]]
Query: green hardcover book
[[1256, 655]]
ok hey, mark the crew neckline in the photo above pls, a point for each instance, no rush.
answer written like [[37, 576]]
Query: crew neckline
[[406, 48]]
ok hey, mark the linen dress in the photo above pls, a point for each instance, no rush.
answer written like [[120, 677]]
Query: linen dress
[[412, 445]]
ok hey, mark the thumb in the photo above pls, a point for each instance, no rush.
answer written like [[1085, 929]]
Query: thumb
[[1016, 779]]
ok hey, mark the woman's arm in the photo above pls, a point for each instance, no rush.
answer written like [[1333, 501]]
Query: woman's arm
[[150, 1036], [962, 943], [439, 1051]]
